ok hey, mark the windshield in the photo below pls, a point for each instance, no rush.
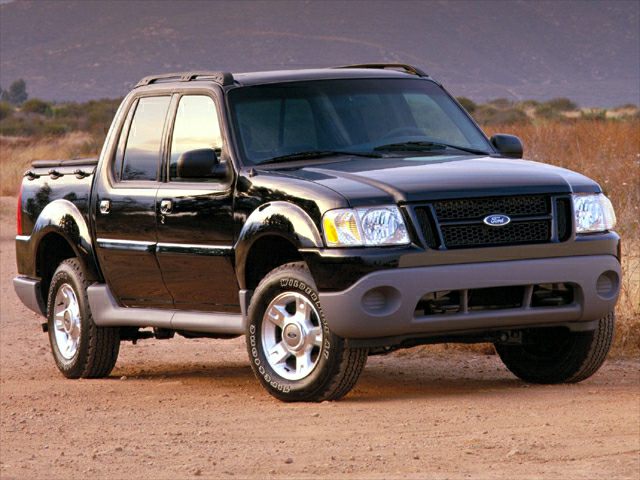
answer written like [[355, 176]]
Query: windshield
[[353, 115]]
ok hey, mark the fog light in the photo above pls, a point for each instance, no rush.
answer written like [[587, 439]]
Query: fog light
[[607, 284], [381, 301]]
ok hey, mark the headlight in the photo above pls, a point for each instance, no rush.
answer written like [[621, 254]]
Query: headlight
[[594, 213], [364, 226]]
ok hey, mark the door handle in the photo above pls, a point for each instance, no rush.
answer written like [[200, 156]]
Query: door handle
[[166, 206], [105, 206]]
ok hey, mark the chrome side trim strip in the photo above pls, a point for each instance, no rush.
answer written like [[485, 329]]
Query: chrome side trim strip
[[107, 313], [23, 238], [194, 249], [135, 245]]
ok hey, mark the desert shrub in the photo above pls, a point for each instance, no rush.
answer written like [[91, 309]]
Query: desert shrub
[[561, 104], [501, 103], [529, 104], [547, 112], [468, 104], [20, 126], [56, 128], [35, 105], [6, 110], [489, 115], [626, 106], [596, 114]]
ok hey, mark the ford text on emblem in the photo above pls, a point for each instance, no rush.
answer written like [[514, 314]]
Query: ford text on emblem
[[497, 220]]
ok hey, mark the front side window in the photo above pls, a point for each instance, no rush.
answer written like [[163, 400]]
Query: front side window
[[196, 128], [355, 115], [142, 150]]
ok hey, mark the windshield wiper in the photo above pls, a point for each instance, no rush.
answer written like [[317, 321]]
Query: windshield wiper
[[425, 146], [311, 154]]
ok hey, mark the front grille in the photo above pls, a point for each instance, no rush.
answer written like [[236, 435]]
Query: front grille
[[458, 223], [458, 236], [478, 208]]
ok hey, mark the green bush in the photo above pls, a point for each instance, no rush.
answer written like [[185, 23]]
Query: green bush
[[468, 104], [501, 103], [489, 115], [547, 111], [6, 110], [35, 105], [594, 114], [561, 104]]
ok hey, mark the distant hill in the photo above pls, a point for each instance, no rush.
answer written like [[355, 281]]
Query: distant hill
[[76, 50]]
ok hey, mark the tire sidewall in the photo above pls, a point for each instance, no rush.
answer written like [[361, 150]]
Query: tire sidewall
[[298, 281], [73, 367]]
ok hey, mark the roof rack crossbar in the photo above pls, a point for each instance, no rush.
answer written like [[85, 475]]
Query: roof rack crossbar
[[223, 78], [391, 66]]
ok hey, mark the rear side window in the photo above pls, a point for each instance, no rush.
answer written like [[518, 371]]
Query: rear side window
[[141, 159], [196, 127]]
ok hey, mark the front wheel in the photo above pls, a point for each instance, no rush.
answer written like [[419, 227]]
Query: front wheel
[[557, 355], [293, 352]]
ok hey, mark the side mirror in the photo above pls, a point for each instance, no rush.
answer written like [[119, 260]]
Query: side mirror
[[507, 145], [202, 164]]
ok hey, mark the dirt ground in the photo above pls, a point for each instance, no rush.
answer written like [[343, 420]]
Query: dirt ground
[[192, 408]]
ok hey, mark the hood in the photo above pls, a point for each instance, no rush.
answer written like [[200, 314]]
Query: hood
[[368, 181]]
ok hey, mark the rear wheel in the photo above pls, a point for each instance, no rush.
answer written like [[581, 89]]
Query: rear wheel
[[292, 351], [79, 347], [557, 355]]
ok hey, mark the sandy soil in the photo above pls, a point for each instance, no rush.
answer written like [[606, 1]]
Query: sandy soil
[[192, 408]]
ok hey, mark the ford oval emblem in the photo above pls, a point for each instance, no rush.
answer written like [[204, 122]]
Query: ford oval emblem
[[497, 220]]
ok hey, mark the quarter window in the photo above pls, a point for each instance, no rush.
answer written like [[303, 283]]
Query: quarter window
[[196, 127], [142, 152]]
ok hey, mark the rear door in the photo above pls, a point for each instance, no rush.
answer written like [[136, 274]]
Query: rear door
[[195, 216], [126, 229]]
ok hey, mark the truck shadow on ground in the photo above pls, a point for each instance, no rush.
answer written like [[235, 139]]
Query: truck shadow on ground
[[380, 382]]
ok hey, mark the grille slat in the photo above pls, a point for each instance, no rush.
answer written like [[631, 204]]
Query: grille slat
[[459, 223], [458, 236], [478, 208]]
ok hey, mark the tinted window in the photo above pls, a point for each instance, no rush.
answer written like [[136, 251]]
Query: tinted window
[[122, 141], [278, 124], [196, 127], [347, 115], [142, 151]]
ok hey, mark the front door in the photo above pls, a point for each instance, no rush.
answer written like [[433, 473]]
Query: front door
[[126, 233], [195, 217]]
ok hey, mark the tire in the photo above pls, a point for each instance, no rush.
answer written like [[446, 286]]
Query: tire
[[332, 367], [80, 348], [557, 355]]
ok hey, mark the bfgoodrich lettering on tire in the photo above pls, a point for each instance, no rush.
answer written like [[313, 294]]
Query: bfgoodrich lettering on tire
[[292, 351], [79, 347]]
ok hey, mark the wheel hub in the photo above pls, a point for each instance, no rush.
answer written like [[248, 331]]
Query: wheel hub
[[291, 335], [67, 322]]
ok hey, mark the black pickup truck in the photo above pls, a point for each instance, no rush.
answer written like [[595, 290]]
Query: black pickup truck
[[326, 214]]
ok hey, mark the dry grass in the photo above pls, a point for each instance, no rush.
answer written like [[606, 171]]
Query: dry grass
[[607, 151], [17, 153]]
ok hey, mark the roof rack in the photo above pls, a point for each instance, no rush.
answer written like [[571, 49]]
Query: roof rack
[[390, 66], [223, 78]]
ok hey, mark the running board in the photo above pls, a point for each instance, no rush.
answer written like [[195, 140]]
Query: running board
[[107, 313]]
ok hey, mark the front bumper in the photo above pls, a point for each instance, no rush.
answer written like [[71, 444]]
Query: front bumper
[[383, 303]]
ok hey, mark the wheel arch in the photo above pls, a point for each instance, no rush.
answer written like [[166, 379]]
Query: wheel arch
[[273, 235], [60, 232]]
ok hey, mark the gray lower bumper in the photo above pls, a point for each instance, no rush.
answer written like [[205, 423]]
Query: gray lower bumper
[[383, 304], [28, 291]]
